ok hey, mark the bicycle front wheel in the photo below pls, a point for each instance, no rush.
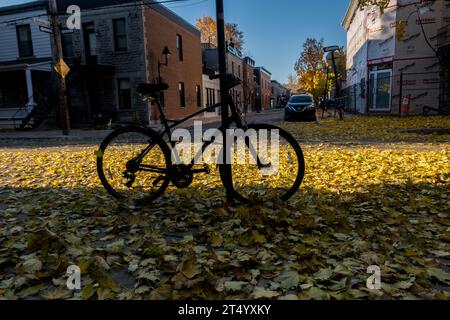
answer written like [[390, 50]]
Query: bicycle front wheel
[[270, 166], [133, 163]]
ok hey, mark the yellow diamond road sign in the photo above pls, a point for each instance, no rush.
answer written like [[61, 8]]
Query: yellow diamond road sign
[[62, 68]]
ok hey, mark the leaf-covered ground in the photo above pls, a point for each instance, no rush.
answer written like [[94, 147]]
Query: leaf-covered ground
[[374, 130], [359, 206]]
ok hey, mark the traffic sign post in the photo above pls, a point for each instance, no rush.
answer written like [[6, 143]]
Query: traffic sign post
[[60, 67], [46, 29], [42, 22]]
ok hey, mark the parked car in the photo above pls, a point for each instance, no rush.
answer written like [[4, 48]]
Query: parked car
[[300, 107]]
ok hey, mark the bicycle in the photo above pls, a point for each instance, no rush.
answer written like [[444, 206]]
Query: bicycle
[[336, 104], [148, 168]]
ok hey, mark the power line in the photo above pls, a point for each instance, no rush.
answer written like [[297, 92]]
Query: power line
[[136, 4]]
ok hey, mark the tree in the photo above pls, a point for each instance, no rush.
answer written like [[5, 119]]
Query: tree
[[309, 68], [341, 64], [292, 84], [380, 3], [208, 27]]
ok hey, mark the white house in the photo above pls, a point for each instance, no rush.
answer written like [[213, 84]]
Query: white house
[[211, 93], [25, 61], [382, 46]]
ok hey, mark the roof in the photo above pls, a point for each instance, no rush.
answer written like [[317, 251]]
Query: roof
[[175, 18], [350, 14], [29, 6], [91, 4], [264, 70], [28, 61], [42, 64]]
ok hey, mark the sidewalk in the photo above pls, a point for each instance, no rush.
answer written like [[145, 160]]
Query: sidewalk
[[95, 136]]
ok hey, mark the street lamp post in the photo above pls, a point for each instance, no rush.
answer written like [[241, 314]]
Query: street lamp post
[[166, 53]]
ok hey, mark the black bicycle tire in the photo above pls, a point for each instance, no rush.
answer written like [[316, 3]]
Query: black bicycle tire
[[300, 157], [133, 129]]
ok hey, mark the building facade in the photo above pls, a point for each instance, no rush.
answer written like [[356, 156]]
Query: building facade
[[393, 54], [25, 63], [248, 83], [119, 46], [107, 63], [234, 66], [280, 95], [263, 88], [211, 92], [183, 74]]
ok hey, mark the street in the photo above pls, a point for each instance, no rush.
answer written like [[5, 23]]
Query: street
[[386, 204]]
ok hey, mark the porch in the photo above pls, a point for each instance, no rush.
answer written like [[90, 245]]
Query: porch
[[23, 86]]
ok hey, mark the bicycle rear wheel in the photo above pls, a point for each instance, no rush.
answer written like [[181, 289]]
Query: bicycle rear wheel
[[270, 169], [132, 164]]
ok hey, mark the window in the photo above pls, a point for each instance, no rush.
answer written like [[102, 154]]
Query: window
[[301, 99], [199, 96], [180, 47], [232, 67], [24, 41], [182, 94], [124, 94], [120, 34], [67, 45], [239, 72], [210, 98], [90, 40]]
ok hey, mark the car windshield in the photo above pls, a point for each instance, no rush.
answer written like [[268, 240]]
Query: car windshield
[[300, 99]]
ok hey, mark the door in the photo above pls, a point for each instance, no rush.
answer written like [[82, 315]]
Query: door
[[380, 90]]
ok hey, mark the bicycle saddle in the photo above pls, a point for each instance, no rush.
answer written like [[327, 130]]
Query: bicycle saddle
[[149, 89]]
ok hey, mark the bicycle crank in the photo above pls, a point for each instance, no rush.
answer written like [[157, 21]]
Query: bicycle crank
[[181, 176]]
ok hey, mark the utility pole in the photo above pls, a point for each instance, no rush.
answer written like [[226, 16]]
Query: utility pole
[[58, 55], [224, 95]]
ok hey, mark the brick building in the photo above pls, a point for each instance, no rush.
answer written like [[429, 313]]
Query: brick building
[[234, 66], [248, 83], [184, 71], [263, 85]]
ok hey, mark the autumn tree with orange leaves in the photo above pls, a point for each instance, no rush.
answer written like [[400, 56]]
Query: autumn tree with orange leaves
[[208, 27], [309, 68]]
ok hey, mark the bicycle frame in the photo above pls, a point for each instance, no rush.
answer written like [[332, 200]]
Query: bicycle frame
[[234, 118]]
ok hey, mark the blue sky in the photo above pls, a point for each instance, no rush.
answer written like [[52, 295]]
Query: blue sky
[[274, 29]]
